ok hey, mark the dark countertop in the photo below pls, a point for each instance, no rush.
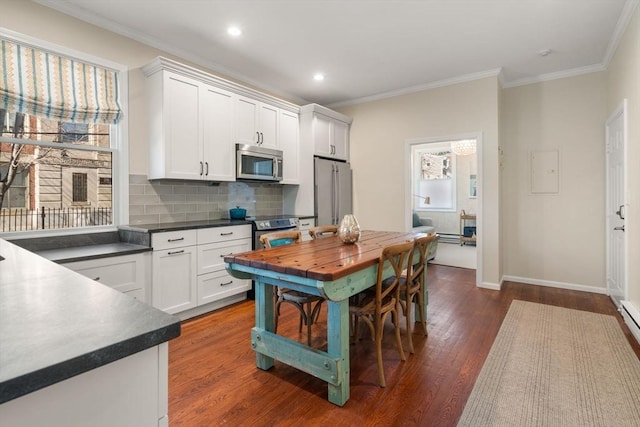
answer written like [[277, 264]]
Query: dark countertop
[[55, 323], [83, 253], [175, 226]]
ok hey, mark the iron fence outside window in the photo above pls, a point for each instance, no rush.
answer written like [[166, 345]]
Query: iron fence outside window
[[53, 218]]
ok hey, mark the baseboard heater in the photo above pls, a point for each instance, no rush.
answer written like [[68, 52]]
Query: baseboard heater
[[449, 238], [631, 317]]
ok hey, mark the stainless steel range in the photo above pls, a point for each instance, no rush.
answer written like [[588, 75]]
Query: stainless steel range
[[268, 224]]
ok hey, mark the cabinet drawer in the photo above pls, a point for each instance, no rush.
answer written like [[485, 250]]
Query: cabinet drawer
[[123, 273], [215, 286], [223, 234], [173, 239], [211, 255], [136, 294]]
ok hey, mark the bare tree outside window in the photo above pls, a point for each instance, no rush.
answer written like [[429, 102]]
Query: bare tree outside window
[[37, 161]]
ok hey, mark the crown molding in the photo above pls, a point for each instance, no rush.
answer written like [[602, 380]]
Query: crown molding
[[618, 33], [554, 76], [419, 88]]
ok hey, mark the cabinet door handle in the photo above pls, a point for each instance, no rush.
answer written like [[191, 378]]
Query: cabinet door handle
[[200, 168], [226, 284], [305, 224], [227, 234], [261, 138], [258, 138], [175, 252], [224, 255], [207, 169], [175, 240]]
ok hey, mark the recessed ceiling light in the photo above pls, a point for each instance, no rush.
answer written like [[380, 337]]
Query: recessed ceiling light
[[234, 31], [318, 77]]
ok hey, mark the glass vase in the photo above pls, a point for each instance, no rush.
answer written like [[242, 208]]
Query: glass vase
[[349, 229]]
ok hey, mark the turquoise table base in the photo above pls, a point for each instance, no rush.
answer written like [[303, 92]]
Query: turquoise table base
[[331, 366]]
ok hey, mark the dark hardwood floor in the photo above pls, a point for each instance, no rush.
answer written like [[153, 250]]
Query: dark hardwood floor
[[213, 379]]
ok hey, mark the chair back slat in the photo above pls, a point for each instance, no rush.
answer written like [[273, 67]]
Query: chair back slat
[[323, 231], [279, 238], [398, 256]]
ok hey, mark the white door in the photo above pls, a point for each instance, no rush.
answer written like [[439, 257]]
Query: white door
[[616, 137]]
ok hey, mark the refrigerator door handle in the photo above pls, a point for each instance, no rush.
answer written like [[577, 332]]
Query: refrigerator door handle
[[333, 194], [337, 195]]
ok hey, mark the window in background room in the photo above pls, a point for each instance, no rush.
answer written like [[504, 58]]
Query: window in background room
[[433, 177], [60, 136]]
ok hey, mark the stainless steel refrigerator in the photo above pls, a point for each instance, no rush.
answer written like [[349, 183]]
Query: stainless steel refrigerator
[[332, 191]]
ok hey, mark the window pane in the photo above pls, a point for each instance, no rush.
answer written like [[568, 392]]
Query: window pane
[[74, 132], [69, 188]]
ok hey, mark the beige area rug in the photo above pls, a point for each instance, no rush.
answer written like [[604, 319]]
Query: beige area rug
[[454, 255], [552, 366]]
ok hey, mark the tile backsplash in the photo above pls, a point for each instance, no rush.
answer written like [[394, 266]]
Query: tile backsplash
[[166, 201]]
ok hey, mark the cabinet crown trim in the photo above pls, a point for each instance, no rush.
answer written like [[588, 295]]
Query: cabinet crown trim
[[161, 63], [319, 109]]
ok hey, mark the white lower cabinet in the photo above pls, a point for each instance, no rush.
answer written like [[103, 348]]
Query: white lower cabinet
[[128, 274], [190, 274], [174, 284]]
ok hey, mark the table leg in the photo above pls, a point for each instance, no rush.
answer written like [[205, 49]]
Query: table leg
[[338, 347], [264, 295]]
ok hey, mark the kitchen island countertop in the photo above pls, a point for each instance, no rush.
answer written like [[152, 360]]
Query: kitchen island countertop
[[56, 324]]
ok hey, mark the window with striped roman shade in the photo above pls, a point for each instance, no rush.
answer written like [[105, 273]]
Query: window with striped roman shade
[[42, 83]]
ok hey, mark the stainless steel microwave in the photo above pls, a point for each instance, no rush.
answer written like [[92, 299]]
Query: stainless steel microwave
[[258, 163]]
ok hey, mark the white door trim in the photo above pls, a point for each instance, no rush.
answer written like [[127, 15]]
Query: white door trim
[[479, 187]]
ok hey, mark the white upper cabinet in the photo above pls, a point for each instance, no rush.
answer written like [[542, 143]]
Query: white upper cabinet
[[191, 129], [329, 131], [196, 119], [218, 150], [257, 123], [289, 138]]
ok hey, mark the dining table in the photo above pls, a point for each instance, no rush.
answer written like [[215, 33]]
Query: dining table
[[326, 267]]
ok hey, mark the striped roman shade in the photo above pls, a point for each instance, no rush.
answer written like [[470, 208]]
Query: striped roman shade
[[41, 83]]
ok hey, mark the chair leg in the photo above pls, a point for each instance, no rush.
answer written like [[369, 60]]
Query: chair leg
[[398, 338], [423, 317], [378, 338], [407, 314], [309, 321]]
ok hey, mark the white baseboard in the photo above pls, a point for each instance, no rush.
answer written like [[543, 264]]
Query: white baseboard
[[631, 317], [553, 284], [492, 286]]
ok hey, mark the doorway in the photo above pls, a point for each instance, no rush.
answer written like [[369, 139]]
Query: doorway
[[441, 184], [616, 142]]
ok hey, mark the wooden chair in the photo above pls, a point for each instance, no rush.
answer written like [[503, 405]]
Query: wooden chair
[[323, 231], [301, 301], [373, 307], [412, 288]]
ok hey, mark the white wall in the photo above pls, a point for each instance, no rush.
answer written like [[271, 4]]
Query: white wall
[[555, 237], [378, 134], [623, 81]]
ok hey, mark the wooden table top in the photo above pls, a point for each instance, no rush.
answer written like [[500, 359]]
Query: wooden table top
[[325, 259]]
